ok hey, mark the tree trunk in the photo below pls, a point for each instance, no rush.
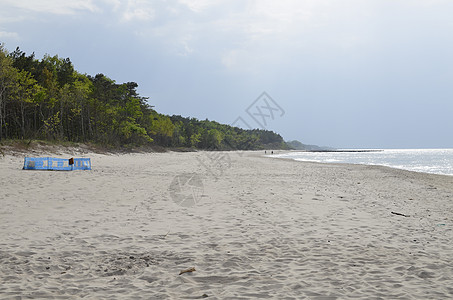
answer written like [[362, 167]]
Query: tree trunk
[[61, 119], [82, 121], [2, 93], [22, 112], [1, 117]]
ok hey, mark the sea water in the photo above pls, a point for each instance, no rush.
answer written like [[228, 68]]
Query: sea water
[[436, 161]]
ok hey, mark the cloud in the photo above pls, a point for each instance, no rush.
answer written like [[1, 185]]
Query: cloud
[[237, 34], [54, 6], [114, 3], [198, 5], [138, 10], [184, 46], [8, 35]]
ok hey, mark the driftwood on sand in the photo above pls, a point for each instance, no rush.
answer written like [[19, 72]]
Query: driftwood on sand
[[187, 270]]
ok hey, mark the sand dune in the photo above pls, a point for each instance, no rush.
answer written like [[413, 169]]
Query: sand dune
[[251, 226]]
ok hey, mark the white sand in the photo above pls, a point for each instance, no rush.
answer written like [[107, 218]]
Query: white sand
[[259, 228]]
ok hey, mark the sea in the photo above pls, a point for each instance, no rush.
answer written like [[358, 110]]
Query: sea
[[435, 161]]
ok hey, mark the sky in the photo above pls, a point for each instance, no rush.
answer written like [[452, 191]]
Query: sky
[[347, 74]]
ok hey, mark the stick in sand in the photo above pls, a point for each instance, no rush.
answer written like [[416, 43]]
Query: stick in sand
[[399, 214], [187, 270]]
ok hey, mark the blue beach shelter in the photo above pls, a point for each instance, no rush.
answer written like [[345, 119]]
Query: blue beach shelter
[[56, 164]]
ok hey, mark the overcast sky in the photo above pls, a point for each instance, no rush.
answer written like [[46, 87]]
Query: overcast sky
[[349, 73]]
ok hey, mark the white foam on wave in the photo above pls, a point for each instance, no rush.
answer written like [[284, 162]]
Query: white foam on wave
[[436, 161]]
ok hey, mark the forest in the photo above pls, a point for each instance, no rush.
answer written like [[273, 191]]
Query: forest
[[47, 99]]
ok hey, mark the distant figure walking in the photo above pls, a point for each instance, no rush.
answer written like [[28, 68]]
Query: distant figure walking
[[265, 152], [272, 152]]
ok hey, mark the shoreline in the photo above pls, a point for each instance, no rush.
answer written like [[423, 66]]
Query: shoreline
[[256, 228], [363, 164]]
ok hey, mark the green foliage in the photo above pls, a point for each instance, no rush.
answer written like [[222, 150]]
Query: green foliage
[[48, 99], [195, 139], [133, 133], [211, 135]]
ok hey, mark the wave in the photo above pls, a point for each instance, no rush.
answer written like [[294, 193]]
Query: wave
[[435, 161]]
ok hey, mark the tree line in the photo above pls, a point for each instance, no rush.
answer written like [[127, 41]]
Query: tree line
[[48, 99]]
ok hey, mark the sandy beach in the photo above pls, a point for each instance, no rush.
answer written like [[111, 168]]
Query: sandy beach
[[251, 227]]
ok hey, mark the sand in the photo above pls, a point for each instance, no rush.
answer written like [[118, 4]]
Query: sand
[[251, 226]]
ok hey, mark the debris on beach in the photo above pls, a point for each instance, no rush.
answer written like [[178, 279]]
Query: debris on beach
[[189, 270], [400, 214]]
